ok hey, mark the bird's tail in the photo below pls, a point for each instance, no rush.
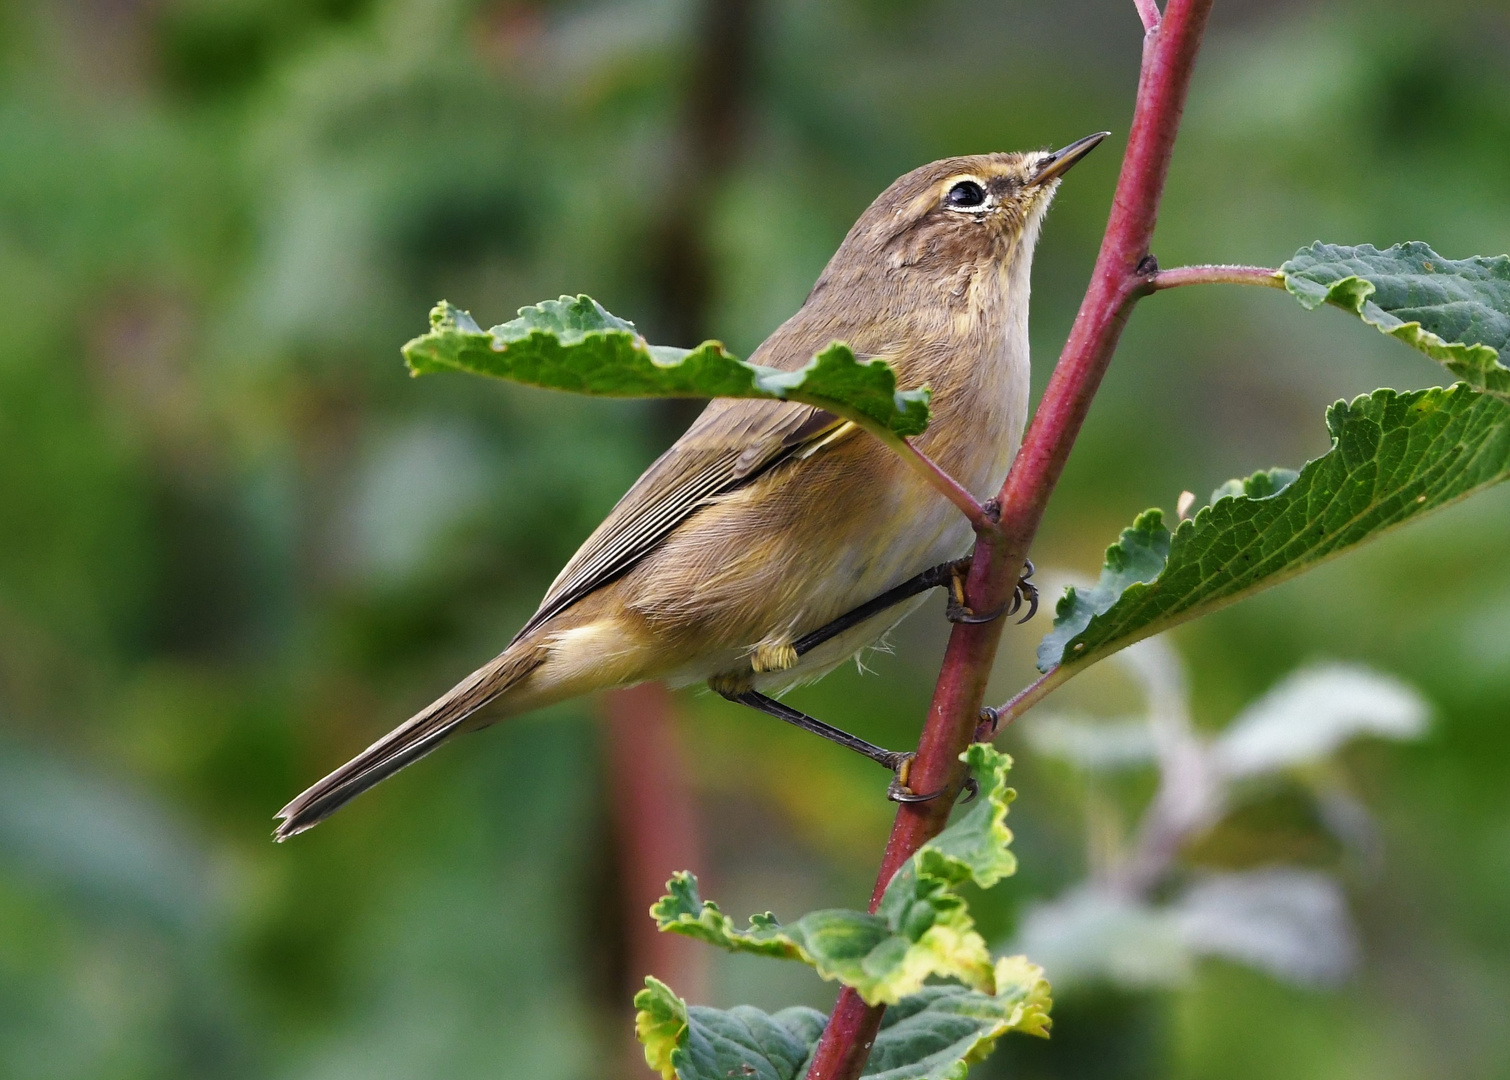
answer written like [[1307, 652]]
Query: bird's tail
[[408, 742]]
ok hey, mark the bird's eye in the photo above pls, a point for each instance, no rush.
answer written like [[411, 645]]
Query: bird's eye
[[966, 193]]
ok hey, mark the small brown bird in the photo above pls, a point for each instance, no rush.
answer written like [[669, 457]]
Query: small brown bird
[[773, 541]]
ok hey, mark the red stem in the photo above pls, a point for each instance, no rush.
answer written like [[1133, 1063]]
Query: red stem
[[1148, 11], [1120, 277], [655, 832]]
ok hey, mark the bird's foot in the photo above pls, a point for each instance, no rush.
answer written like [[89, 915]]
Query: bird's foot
[[1024, 592], [956, 611], [898, 791]]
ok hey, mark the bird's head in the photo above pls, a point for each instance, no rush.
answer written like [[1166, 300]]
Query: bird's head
[[955, 216]]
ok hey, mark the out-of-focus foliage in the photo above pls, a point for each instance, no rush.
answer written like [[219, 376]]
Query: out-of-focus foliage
[[239, 542], [1133, 922]]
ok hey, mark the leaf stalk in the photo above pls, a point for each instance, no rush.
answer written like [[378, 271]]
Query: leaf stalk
[[1029, 696], [1213, 274], [946, 485]]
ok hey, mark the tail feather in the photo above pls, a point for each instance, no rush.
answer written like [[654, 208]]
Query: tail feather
[[406, 743]]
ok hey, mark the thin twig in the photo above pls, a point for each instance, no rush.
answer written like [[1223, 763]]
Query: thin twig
[[926, 467], [1215, 275], [1028, 696], [945, 484], [1148, 11], [1116, 283]]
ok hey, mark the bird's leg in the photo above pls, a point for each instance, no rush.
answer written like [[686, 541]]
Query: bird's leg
[[950, 575], [932, 578], [899, 764]]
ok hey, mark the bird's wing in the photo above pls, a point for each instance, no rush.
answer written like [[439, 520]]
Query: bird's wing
[[729, 445]]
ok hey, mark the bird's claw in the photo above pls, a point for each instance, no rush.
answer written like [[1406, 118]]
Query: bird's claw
[[1024, 590], [957, 612], [898, 791]]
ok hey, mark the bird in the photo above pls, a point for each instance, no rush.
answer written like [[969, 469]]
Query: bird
[[773, 541]]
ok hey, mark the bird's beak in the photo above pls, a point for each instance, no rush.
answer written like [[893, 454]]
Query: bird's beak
[[1061, 161]]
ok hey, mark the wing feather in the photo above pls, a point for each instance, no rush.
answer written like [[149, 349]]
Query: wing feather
[[729, 445]]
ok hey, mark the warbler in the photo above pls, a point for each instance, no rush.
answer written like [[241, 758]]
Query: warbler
[[773, 540]]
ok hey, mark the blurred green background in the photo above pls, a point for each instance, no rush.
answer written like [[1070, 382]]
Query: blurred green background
[[237, 542]]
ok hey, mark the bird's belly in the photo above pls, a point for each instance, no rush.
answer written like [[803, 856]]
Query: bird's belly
[[793, 583], [926, 543]]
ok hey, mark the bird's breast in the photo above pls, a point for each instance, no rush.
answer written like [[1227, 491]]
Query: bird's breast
[[817, 537]]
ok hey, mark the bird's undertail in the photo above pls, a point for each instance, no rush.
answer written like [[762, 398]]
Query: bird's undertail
[[408, 742]]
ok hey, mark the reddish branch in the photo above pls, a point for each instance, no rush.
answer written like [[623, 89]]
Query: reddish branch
[[1121, 276], [655, 833]]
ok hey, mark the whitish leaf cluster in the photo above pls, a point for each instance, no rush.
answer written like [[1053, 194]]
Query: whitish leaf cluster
[[1138, 920]]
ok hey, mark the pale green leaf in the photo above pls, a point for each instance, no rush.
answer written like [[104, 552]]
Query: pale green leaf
[[1394, 458], [574, 344], [922, 927], [1457, 311], [661, 1025], [935, 1034]]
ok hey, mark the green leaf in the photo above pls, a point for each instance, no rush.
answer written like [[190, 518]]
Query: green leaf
[[921, 928], [661, 1025], [574, 344], [1394, 457], [1139, 555], [935, 1034], [1457, 311]]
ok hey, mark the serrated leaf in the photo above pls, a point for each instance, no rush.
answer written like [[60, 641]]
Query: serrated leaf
[[921, 928], [1138, 555], [1394, 457], [574, 344], [1457, 311], [935, 1034]]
